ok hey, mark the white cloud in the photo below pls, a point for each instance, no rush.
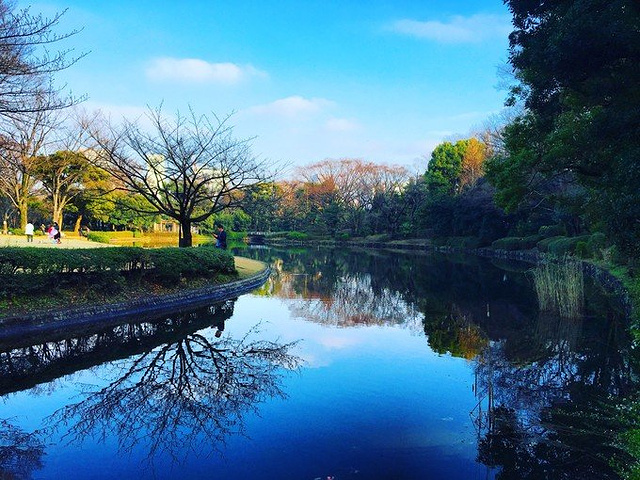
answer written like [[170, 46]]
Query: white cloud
[[292, 107], [341, 125], [337, 342], [117, 113], [458, 29], [194, 70]]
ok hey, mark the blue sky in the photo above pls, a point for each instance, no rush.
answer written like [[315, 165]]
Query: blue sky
[[384, 81]]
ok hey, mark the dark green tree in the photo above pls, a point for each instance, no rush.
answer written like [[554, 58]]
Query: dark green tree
[[578, 63]]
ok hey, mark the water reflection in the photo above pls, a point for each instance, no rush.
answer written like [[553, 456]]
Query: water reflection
[[542, 380], [174, 387], [452, 336], [20, 452], [539, 396]]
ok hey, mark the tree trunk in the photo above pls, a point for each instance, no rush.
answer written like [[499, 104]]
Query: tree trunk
[[23, 200], [58, 209], [57, 216], [23, 209], [185, 238], [78, 224]]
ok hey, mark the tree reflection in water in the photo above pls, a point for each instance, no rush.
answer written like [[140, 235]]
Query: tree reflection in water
[[20, 452], [184, 397], [353, 302], [540, 414], [542, 381]]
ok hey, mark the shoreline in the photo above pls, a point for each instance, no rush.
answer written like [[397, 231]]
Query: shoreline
[[600, 274], [77, 320]]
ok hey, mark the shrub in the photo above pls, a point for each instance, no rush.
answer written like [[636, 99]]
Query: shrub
[[297, 235], [27, 270], [463, 242], [582, 250], [100, 237], [236, 236], [507, 243], [172, 264], [561, 246], [378, 238], [597, 243], [552, 231], [543, 245], [517, 243]]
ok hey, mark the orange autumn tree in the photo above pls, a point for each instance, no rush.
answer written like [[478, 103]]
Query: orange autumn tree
[[351, 185], [475, 154]]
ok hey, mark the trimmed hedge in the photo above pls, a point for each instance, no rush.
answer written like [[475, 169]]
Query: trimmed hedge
[[100, 237], [297, 236], [28, 270], [517, 243], [561, 245], [552, 231]]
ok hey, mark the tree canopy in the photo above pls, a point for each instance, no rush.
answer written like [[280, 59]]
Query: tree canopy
[[187, 168], [578, 63]]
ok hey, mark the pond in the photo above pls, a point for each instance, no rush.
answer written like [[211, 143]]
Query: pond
[[346, 364]]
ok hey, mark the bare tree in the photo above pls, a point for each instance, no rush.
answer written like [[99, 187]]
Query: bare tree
[[355, 183], [26, 64], [22, 138], [183, 398], [21, 452], [187, 168]]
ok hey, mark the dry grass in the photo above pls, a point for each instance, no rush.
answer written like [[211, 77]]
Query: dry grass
[[560, 288]]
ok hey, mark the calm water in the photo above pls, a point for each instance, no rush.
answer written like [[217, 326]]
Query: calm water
[[345, 365]]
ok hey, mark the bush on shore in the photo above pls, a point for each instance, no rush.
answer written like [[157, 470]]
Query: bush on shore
[[36, 270], [517, 243]]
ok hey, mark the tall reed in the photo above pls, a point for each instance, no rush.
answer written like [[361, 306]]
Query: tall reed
[[560, 287]]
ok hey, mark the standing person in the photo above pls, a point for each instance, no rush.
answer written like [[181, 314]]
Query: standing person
[[221, 237], [58, 234], [28, 231]]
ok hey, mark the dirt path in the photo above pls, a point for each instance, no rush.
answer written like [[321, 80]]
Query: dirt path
[[42, 241]]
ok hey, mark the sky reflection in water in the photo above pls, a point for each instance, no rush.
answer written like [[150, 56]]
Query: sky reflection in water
[[370, 399]]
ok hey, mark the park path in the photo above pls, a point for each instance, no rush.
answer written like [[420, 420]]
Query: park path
[[68, 241]]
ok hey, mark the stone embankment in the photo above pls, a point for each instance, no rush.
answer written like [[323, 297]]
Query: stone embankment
[[81, 319]]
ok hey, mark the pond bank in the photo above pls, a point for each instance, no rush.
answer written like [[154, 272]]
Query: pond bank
[[80, 319]]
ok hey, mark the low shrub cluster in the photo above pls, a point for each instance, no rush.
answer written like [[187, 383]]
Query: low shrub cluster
[[517, 243], [560, 246], [461, 242], [33, 270], [297, 236], [584, 246], [100, 237]]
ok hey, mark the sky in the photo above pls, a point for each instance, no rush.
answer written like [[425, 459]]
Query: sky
[[308, 80]]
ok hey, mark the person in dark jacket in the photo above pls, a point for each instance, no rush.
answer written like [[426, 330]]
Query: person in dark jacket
[[221, 237]]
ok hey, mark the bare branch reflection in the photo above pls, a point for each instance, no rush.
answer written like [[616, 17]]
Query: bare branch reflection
[[535, 412], [20, 452], [184, 397], [353, 302]]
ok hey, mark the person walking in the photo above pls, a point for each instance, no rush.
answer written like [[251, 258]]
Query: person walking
[[28, 231], [52, 233]]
